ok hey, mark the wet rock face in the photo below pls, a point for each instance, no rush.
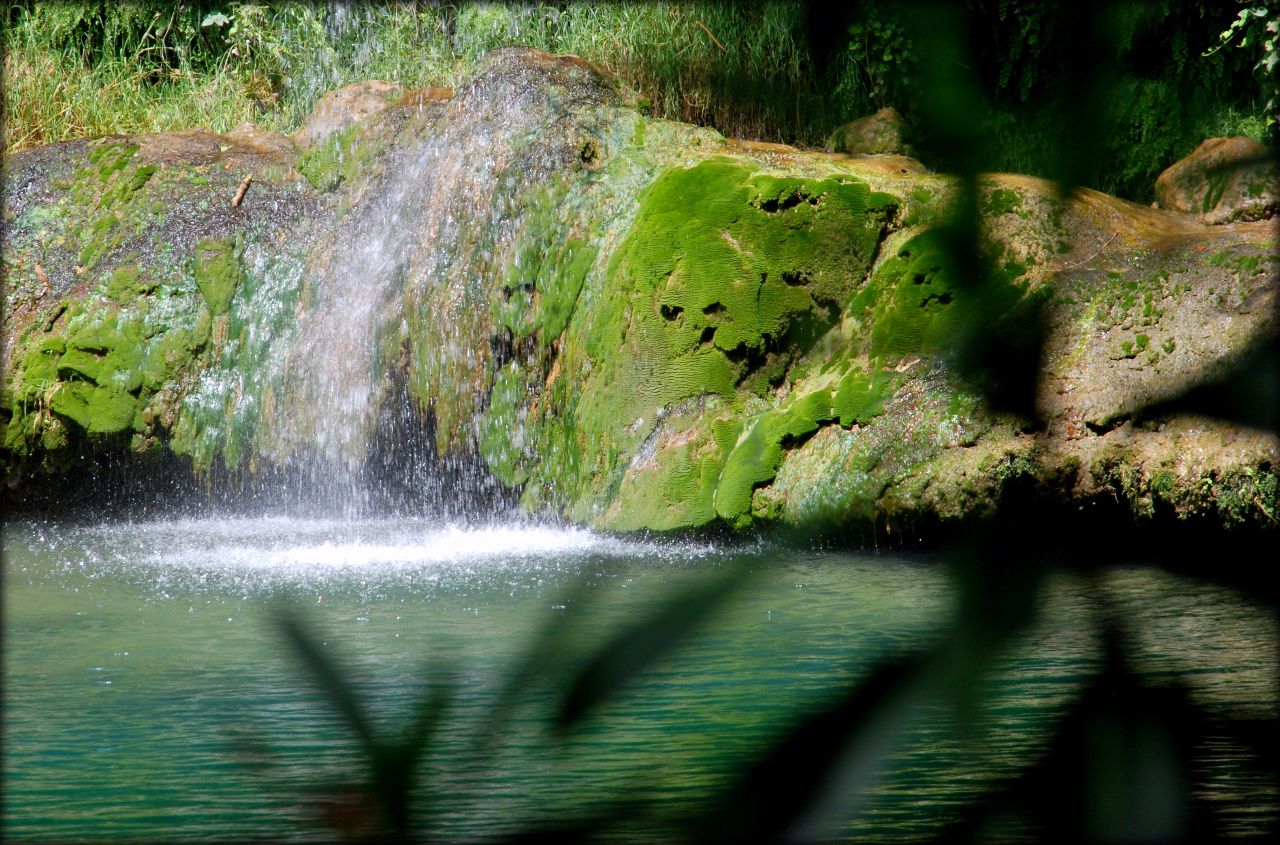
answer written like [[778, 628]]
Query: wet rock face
[[391, 303], [523, 288], [120, 257], [1225, 180]]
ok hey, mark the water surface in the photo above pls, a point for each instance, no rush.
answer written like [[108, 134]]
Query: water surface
[[150, 695]]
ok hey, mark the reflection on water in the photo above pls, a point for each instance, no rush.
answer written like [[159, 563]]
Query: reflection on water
[[148, 695]]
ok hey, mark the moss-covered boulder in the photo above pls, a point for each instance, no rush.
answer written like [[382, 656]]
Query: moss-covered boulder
[[882, 133], [1224, 180], [340, 109], [635, 324]]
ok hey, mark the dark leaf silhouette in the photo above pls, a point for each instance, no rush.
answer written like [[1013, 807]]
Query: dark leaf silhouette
[[820, 766], [1248, 393], [639, 646]]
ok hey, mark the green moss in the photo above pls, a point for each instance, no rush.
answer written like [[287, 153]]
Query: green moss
[[722, 268], [104, 210], [754, 459], [1002, 201], [861, 395], [218, 272], [127, 282], [923, 208], [500, 438], [541, 286], [337, 159], [98, 410], [917, 304], [91, 378], [1218, 182], [624, 413], [726, 277], [677, 488], [93, 366], [1242, 264]]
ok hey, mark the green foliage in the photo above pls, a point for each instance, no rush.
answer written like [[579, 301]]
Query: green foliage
[[742, 68], [80, 69], [877, 65], [1258, 27], [1138, 67]]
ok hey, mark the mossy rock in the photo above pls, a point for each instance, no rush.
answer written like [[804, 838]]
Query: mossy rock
[[727, 276], [635, 324], [217, 272], [1224, 180]]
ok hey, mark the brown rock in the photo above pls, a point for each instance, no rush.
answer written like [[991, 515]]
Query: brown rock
[[339, 109], [1225, 180], [882, 133], [251, 137]]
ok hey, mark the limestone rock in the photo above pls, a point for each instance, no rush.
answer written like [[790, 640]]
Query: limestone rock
[[882, 133], [623, 322], [1225, 180], [339, 109]]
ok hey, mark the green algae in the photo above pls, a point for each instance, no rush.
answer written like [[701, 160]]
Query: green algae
[[917, 302], [755, 457], [336, 160], [218, 272]]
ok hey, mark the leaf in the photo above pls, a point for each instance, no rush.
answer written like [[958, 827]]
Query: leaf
[[328, 678], [644, 643], [1247, 393], [821, 765], [215, 19]]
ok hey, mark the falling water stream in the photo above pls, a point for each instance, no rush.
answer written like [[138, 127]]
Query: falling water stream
[[323, 345]]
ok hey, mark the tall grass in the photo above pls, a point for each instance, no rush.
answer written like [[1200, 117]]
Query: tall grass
[[742, 68], [58, 84], [747, 69]]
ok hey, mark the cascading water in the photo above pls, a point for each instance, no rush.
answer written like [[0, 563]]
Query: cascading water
[[332, 395]]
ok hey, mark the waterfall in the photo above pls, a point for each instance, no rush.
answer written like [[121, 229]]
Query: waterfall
[[334, 404]]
